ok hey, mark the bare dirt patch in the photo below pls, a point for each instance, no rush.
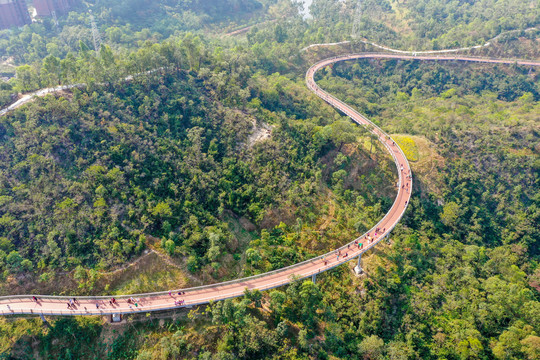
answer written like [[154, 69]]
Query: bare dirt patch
[[260, 132]]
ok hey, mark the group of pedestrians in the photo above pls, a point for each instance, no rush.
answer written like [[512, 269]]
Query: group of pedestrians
[[179, 302], [113, 302], [405, 187], [179, 293], [131, 301], [339, 254], [71, 304], [378, 231], [357, 243]]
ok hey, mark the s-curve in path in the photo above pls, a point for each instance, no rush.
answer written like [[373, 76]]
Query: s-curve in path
[[99, 305], [422, 52]]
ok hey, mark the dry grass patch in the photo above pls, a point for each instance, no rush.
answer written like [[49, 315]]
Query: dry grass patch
[[151, 274]]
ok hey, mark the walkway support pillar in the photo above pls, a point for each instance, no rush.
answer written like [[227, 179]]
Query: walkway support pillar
[[314, 278], [358, 268], [43, 319]]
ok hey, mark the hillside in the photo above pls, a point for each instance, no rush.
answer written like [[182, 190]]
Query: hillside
[[100, 176]]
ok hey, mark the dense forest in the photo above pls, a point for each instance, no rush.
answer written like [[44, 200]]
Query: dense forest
[[100, 155], [213, 161]]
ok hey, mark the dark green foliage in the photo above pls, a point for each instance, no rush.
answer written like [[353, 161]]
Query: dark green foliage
[[100, 172], [70, 338], [163, 155]]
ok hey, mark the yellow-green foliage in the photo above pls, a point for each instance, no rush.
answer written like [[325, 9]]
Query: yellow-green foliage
[[408, 145], [12, 330]]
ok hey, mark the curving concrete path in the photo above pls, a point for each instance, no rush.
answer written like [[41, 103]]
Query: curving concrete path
[[99, 305], [421, 52]]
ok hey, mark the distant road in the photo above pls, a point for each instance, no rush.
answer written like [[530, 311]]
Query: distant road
[[421, 52], [99, 305]]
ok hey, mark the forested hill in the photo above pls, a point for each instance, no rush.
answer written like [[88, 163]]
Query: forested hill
[[89, 174], [462, 270]]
